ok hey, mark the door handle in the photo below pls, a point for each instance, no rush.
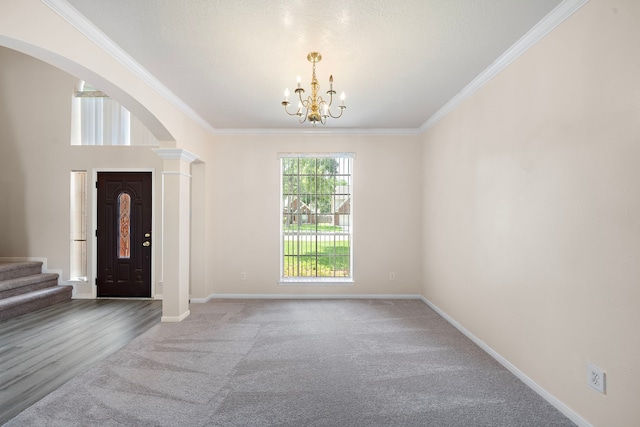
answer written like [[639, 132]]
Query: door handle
[[147, 243]]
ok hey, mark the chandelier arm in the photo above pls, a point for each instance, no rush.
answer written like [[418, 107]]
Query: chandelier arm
[[303, 109], [341, 107], [324, 108], [331, 93], [300, 92], [286, 104]]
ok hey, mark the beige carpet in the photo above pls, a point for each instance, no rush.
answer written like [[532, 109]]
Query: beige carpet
[[297, 363]]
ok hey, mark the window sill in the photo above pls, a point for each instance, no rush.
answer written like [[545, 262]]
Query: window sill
[[316, 281]]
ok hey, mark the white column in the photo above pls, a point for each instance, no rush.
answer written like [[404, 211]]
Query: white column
[[175, 254]]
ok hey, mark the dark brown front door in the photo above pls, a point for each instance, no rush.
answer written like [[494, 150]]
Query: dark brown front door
[[124, 234]]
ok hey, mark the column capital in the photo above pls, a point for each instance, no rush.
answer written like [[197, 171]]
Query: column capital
[[175, 154]]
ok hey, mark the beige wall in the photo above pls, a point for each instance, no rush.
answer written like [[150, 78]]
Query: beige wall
[[532, 212], [36, 159], [242, 186], [526, 197], [33, 28], [235, 196]]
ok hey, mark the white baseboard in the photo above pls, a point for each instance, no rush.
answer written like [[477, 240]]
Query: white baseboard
[[568, 412], [82, 296], [175, 319], [304, 296], [581, 422]]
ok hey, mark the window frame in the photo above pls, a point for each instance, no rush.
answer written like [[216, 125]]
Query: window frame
[[99, 120], [78, 219], [316, 280]]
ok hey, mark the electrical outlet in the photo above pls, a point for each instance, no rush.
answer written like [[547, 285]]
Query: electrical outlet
[[392, 276], [596, 378], [243, 275]]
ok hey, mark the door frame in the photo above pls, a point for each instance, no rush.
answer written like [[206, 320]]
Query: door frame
[[94, 225]]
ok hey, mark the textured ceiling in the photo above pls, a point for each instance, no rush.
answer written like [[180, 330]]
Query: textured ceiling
[[398, 62]]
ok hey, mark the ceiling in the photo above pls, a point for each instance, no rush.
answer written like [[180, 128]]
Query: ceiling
[[229, 61]]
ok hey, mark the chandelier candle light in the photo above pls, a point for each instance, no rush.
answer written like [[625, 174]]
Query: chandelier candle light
[[314, 108]]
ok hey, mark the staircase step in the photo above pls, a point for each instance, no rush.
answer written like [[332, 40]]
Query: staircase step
[[21, 285], [12, 270], [24, 303]]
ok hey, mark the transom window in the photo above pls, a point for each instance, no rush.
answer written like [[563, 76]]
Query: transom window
[[98, 119], [316, 223]]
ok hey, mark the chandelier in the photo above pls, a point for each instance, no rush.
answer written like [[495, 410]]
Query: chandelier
[[314, 108]]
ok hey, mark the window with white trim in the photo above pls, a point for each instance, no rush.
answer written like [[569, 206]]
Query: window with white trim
[[78, 226], [316, 217], [98, 119]]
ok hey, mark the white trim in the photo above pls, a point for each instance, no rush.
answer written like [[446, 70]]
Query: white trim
[[323, 131], [323, 155], [316, 281], [175, 154], [74, 290], [554, 18], [175, 319], [83, 296], [91, 278], [304, 296], [170, 154], [162, 228], [82, 24], [568, 412], [558, 15], [175, 173]]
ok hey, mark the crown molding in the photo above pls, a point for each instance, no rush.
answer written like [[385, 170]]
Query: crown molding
[[554, 18], [86, 28], [319, 131], [558, 15]]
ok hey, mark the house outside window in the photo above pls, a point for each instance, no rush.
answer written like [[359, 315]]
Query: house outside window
[[316, 217]]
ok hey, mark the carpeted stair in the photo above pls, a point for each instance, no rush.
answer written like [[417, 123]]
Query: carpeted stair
[[24, 288]]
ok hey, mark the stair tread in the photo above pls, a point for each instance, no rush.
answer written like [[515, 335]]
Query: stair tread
[[27, 280], [40, 293], [8, 265], [35, 300], [12, 270]]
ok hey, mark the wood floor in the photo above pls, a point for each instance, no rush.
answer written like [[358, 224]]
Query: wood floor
[[41, 351]]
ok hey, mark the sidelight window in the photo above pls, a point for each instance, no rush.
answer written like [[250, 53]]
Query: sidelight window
[[78, 225]]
